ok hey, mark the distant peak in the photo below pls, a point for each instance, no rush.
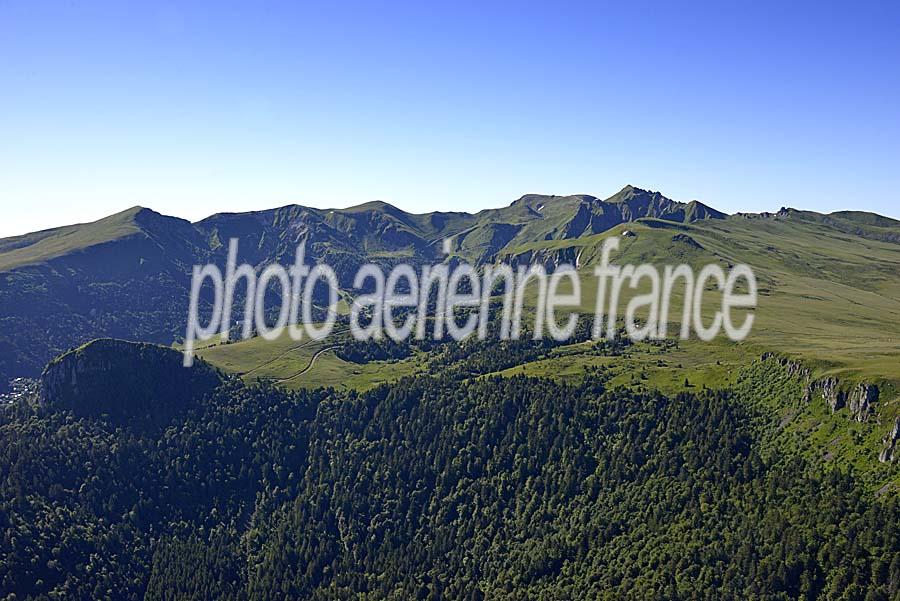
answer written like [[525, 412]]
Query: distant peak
[[784, 211], [373, 205], [697, 210], [629, 192], [143, 216], [637, 190], [131, 211]]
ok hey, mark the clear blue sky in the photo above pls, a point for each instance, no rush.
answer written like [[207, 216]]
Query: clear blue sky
[[238, 106]]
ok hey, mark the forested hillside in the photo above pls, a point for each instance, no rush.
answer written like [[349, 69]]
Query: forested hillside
[[431, 488]]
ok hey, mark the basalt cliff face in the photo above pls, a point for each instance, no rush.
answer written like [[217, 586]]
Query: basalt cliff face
[[549, 259], [860, 399], [890, 452]]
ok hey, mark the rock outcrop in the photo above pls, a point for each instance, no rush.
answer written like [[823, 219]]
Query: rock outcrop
[[828, 388], [890, 451], [860, 400], [685, 239], [549, 258], [794, 369]]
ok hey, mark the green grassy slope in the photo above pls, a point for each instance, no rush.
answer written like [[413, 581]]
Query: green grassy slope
[[303, 364], [38, 247], [828, 298], [792, 426]]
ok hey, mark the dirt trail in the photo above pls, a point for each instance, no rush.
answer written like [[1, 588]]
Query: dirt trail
[[270, 361], [312, 361]]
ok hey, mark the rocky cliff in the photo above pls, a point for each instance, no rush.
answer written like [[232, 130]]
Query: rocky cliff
[[859, 399], [890, 451], [549, 258]]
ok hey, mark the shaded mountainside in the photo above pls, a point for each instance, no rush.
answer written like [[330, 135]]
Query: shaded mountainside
[[124, 277], [431, 488], [125, 382]]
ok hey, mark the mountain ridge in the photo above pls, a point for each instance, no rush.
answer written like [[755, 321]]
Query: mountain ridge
[[461, 221], [128, 275], [545, 216]]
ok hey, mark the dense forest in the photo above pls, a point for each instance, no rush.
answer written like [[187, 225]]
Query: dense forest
[[433, 488]]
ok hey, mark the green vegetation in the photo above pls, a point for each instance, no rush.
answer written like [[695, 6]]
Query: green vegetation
[[337, 469], [39, 247], [304, 364], [433, 488], [826, 297], [670, 366], [829, 285]]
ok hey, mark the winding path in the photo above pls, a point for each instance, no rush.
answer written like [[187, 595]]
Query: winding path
[[312, 361], [273, 360]]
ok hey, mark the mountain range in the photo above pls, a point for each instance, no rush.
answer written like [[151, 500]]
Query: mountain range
[[128, 275]]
